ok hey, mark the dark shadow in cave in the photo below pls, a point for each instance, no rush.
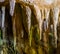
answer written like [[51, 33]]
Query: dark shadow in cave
[[8, 25]]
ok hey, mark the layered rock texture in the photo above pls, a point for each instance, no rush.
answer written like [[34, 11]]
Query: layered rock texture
[[30, 26]]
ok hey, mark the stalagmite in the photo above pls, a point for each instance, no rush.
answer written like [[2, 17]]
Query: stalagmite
[[12, 6], [55, 21], [38, 16]]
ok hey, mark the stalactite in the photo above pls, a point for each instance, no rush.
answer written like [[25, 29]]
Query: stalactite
[[44, 25], [2, 0], [42, 13], [0, 17], [3, 16], [55, 21], [51, 27], [3, 23], [47, 16], [28, 13], [12, 6], [43, 21], [1, 27], [49, 1], [38, 16]]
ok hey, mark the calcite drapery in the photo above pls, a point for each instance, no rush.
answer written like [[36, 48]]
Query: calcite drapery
[[38, 11], [40, 15]]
